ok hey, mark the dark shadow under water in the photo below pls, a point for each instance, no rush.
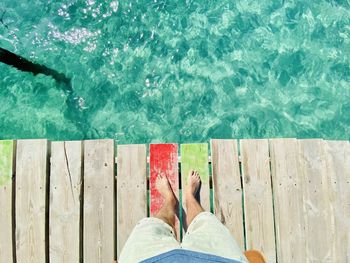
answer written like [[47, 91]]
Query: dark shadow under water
[[21, 63], [73, 113]]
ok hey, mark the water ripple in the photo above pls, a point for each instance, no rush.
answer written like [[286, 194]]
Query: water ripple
[[178, 71]]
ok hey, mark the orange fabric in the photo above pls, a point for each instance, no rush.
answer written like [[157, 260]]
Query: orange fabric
[[254, 256]]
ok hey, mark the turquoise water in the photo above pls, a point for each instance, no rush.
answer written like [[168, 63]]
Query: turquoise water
[[177, 71]]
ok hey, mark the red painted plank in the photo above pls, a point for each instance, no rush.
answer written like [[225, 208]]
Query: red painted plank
[[163, 159]]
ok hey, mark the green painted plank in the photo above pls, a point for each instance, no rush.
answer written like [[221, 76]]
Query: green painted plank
[[6, 172], [195, 156], [6, 162]]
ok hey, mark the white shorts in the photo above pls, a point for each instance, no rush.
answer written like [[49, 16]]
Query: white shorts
[[152, 236]]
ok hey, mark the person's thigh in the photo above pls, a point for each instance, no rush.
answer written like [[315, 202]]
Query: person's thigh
[[208, 235], [150, 237]]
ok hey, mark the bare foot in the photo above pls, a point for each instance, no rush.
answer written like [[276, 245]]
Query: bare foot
[[193, 183], [164, 188]]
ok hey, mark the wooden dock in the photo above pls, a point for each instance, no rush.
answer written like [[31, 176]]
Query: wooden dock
[[77, 201]]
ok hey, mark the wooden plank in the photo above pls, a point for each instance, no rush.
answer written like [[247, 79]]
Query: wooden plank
[[65, 201], [31, 201], [194, 156], [163, 160], [131, 190], [7, 151], [338, 168], [258, 207], [227, 187], [288, 200], [319, 229], [98, 233]]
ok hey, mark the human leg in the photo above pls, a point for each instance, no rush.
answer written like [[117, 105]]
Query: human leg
[[168, 210], [205, 232], [154, 235], [192, 205]]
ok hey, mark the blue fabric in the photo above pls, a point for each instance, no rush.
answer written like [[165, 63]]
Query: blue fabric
[[187, 256]]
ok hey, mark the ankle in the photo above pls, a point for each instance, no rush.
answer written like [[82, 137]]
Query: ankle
[[190, 199], [171, 200]]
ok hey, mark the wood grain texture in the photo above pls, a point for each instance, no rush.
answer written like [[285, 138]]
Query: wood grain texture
[[131, 190], [338, 168], [7, 152], [227, 187], [319, 225], [98, 229], [258, 207], [163, 160], [65, 201], [31, 200], [288, 200]]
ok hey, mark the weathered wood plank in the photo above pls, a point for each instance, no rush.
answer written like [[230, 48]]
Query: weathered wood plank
[[338, 168], [195, 157], [163, 160], [319, 229], [7, 152], [227, 187], [258, 207], [65, 201], [288, 200], [131, 190], [98, 230], [31, 200]]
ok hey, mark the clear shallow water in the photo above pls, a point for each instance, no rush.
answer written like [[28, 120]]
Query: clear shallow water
[[178, 71]]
